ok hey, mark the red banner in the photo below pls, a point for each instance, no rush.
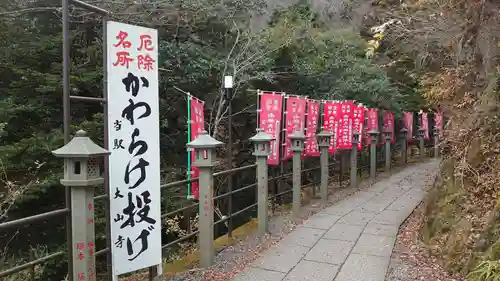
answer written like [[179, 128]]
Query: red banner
[[425, 124], [438, 118], [331, 111], [197, 126], [345, 121], [270, 121], [359, 118], [389, 124], [408, 123], [294, 117], [372, 123], [311, 148]]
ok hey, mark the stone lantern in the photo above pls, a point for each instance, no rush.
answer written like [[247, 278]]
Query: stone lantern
[[387, 136], [355, 138], [373, 153], [297, 139], [324, 138], [354, 158], [421, 133], [404, 133], [80, 163], [323, 143], [435, 133], [262, 142], [204, 148], [81, 174]]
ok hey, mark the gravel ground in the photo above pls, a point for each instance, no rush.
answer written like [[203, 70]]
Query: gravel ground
[[232, 260], [409, 261]]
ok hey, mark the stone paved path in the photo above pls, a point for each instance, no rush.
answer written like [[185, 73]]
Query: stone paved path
[[349, 241]]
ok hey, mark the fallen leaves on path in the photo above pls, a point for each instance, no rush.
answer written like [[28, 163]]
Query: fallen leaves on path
[[410, 260]]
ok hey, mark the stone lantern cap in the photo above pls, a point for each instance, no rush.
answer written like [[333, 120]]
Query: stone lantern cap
[[297, 135], [324, 133], [261, 136], [204, 140], [404, 130], [80, 146], [373, 132]]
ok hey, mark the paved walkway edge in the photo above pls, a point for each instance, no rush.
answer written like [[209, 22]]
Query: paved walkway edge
[[350, 241]]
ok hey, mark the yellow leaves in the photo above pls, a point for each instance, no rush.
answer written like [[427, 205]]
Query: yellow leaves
[[373, 45], [379, 36]]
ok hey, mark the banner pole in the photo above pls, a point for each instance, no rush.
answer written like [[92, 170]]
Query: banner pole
[[189, 122]]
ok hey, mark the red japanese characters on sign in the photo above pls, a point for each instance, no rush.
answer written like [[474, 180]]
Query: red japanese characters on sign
[[197, 126], [124, 59], [294, 118], [270, 121], [408, 123], [331, 111], [358, 120], [81, 276], [345, 125], [311, 144], [425, 124], [91, 247], [389, 124]]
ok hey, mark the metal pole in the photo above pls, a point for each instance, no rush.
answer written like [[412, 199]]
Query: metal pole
[[228, 87], [107, 213], [66, 128]]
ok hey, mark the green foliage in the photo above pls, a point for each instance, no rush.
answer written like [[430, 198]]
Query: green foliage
[[486, 271], [327, 63]]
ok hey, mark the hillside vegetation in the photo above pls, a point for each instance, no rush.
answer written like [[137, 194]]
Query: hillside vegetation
[[453, 46]]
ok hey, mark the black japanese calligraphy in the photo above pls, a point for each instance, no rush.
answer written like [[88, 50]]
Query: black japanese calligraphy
[[118, 144], [142, 166], [119, 217], [118, 194], [130, 210], [134, 144], [119, 241], [144, 208], [128, 112], [132, 82], [143, 237], [118, 125]]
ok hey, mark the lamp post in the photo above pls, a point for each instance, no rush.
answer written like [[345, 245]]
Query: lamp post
[[228, 91], [81, 175], [261, 151], [354, 159], [204, 146], [323, 144], [297, 139]]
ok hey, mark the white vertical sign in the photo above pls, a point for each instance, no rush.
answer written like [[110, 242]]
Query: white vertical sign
[[134, 164]]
